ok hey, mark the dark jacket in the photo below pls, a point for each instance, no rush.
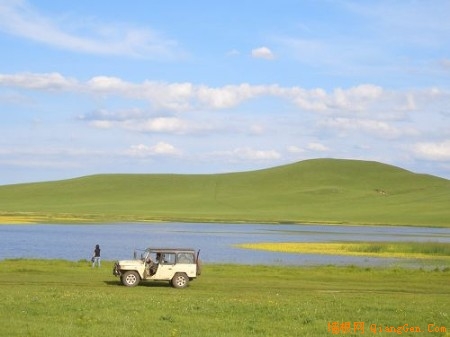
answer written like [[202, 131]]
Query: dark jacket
[[97, 251]]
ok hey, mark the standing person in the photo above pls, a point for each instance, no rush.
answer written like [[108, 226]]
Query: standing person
[[96, 257]]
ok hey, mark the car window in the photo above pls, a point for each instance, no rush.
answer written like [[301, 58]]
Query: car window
[[185, 258], [168, 258]]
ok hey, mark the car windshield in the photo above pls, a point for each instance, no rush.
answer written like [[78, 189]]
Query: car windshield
[[168, 257], [145, 255], [150, 255]]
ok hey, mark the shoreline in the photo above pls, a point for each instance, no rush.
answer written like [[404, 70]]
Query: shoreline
[[90, 219]]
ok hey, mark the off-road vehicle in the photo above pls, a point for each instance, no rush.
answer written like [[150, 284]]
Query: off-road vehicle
[[178, 266]]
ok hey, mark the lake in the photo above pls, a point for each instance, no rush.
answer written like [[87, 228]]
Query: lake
[[118, 241]]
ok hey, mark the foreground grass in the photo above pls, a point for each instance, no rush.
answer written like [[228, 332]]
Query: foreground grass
[[59, 298], [416, 250]]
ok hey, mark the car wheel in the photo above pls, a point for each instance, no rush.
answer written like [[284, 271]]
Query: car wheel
[[180, 280], [130, 278]]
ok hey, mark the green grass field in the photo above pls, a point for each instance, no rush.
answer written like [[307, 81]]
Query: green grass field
[[53, 298], [313, 191]]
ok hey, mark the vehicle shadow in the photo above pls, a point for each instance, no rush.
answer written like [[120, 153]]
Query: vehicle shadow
[[151, 284]]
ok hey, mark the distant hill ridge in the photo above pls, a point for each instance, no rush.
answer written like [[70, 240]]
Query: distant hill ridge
[[310, 191]]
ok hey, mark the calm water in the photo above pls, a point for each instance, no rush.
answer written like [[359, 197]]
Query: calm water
[[118, 241]]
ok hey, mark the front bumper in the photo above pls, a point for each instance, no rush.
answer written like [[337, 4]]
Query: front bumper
[[116, 269]]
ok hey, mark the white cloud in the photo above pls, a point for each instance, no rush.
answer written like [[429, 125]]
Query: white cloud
[[315, 146], [247, 153], [381, 129], [436, 151], [227, 96], [102, 124], [160, 148], [160, 124], [353, 99], [15, 98], [19, 18], [295, 149], [43, 81], [142, 120], [56, 157], [263, 53], [165, 148], [312, 146], [171, 96], [233, 53], [171, 125], [445, 63], [363, 109], [108, 84], [109, 115], [374, 50], [257, 129], [186, 96]]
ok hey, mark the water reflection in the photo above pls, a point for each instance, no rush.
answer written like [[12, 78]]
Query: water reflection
[[118, 241]]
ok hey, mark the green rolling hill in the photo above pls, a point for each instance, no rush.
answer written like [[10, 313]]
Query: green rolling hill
[[311, 191]]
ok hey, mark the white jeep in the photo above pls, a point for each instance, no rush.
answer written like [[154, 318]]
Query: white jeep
[[178, 266]]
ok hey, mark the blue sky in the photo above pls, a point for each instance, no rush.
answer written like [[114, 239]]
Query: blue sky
[[91, 87]]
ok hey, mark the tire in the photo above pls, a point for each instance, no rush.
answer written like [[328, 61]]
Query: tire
[[130, 278], [180, 280]]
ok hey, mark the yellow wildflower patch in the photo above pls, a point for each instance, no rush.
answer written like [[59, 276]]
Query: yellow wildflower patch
[[376, 249]]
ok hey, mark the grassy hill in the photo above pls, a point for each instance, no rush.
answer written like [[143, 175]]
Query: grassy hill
[[315, 191]]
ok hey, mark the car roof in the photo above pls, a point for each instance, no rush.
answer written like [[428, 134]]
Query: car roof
[[170, 250]]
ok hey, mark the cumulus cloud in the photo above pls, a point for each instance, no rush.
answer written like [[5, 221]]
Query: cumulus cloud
[[247, 153], [160, 124], [437, 151], [171, 96], [374, 127], [108, 115], [160, 148], [39, 81], [315, 146], [263, 53], [308, 147], [353, 99], [171, 125], [187, 96], [102, 124], [144, 121], [295, 149], [108, 84], [227, 96], [365, 108], [19, 18]]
